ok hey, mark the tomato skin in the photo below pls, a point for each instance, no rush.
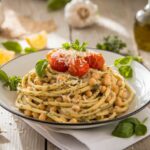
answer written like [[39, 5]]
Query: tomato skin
[[79, 68], [95, 61], [58, 65]]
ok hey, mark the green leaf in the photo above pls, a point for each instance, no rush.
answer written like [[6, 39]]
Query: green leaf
[[13, 82], [138, 59], [40, 67], [83, 46], [56, 4], [126, 71], [12, 46], [28, 50], [132, 120], [124, 130], [123, 61], [111, 43], [140, 129], [75, 45], [4, 77], [66, 45]]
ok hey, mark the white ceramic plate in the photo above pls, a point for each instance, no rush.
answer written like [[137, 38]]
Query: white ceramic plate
[[21, 65]]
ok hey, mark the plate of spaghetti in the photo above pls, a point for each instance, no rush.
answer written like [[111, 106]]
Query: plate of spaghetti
[[70, 88]]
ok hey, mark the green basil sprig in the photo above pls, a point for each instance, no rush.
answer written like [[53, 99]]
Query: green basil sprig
[[129, 127], [75, 45], [124, 65], [11, 82], [40, 67]]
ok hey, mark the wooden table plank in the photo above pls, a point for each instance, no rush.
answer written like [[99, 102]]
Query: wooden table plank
[[16, 135]]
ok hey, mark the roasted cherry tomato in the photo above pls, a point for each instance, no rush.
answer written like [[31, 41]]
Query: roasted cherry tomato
[[79, 68], [58, 64], [95, 61]]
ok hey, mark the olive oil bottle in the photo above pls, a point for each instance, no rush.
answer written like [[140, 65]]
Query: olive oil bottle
[[142, 28]]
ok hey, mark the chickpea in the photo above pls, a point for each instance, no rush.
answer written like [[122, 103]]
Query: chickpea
[[125, 94], [119, 83], [106, 81], [41, 106], [104, 68], [73, 120], [53, 109], [37, 82], [88, 93], [115, 89], [102, 89], [96, 76], [52, 81], [76, 108], [42, 116], [28, 113], [92, 82], [35, 115], [59, 99], [119, 101]]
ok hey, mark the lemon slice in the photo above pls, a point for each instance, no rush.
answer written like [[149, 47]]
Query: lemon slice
[[5, 56], [37, 41]]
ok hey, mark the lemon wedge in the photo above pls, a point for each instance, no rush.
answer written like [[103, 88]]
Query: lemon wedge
[[5, 56], [37, 41]]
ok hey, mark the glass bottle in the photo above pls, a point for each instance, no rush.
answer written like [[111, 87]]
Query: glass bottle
[[142, 28]]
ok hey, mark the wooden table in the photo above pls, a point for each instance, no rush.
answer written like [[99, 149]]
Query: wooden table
[[119, 18]]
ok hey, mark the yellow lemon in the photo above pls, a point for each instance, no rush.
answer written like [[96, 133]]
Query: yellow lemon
[[37, 41], [5, 56]]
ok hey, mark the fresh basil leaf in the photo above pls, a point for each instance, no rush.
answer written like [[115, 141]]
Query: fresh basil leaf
[[13, 82], [76, 45], [132, 120], [40, 67], [57, 4], [4, 77], [140, 129], [123, 130], [83, 46], [126, 71], [66, 45], [13, 46], [28, 50], [123, 61], [138, 59]]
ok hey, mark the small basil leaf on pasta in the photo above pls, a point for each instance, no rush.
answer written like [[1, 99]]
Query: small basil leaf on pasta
[[40, 67], [124, 130], [66, 45], [75, 45], [126, 71], [12, 46], [3, 77]]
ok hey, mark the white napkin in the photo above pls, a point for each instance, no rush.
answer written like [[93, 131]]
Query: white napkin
[[90, 139]]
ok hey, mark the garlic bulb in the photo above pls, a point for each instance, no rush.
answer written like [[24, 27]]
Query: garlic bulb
[[80, 13]]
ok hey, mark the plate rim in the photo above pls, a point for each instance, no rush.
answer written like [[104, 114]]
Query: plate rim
[[81, 123]]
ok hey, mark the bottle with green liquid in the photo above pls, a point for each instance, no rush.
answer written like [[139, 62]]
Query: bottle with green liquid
[[142, 28]]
